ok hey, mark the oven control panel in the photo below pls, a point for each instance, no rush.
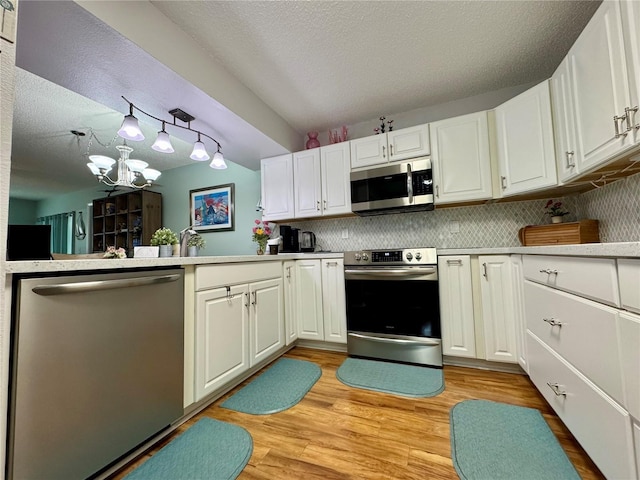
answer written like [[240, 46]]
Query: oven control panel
[[406, 256]]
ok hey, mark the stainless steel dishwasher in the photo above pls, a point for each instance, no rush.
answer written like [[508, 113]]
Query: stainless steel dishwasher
[[97, 369]]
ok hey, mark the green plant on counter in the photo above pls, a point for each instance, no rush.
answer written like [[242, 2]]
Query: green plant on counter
[[163, 236], [196, 240]]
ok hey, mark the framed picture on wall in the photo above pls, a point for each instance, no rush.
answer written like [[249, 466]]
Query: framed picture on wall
[[211, 208]]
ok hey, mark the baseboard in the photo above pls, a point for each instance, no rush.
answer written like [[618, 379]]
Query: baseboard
[[319, 345], [483, 364]]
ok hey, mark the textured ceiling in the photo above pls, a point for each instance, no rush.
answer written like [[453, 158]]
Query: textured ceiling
[[320, 64]]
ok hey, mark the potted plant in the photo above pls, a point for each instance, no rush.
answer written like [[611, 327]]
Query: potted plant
[[195, 243], [556, 211], [165, 239], [261, 233]]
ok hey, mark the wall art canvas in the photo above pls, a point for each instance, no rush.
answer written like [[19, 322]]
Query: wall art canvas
[[211, 208]]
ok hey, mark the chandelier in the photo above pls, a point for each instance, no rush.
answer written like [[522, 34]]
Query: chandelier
[[130, 130]]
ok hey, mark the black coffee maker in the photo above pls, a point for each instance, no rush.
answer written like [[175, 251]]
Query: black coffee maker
[[290, 239]]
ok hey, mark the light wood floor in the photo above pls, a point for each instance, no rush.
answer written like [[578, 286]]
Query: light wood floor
[[339, 432]]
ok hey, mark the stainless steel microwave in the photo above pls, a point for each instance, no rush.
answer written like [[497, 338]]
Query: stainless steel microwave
[[400, 187]]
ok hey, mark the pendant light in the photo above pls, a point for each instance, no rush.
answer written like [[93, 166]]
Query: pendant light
[[199, 153], [218, 162], [163, 142], [130, 129]]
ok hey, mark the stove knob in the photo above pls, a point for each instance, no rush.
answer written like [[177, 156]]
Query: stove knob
[[409, 256], [365, 257], [357, 257], [418, 256]]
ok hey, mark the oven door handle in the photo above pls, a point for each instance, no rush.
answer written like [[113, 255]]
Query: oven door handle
[[423, 273], [426, 341]]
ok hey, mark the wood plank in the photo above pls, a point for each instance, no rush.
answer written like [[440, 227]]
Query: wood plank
[[338, 432]]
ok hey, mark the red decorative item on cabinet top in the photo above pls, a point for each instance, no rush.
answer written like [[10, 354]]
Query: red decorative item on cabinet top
[[313, 141]]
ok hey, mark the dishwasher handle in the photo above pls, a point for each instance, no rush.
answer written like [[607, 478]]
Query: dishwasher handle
[[100, 285]]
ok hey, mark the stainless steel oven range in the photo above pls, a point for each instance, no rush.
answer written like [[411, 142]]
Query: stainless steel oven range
[[393, 307]]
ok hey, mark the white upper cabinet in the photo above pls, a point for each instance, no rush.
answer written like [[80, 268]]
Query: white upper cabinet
[[277, 187], [322, 181], [600, 86], [631, 30], [564, 125], [461, 159], [390, 146], [524, 132]]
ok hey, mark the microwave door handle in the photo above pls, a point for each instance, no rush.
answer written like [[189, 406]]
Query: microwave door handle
[[409, 184]]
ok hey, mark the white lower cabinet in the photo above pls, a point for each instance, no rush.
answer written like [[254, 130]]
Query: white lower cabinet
[[320, 299], [518, 310], [498, 310], [629, 334], [456, 306], [239, 321], [290, 318]]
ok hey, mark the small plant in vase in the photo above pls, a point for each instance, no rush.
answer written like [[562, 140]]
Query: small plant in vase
[[195, 243], [555, 210], [261, 233], [113, 252], [165, 239]]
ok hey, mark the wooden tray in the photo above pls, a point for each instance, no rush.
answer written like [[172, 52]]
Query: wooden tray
[[584, 231]]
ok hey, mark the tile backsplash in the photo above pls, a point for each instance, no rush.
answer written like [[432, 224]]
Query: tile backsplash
[[617, 206]]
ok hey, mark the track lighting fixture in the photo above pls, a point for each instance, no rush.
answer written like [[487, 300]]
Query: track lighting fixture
[[131, 131]]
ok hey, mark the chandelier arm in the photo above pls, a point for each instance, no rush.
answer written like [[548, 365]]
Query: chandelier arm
[[174, 124]]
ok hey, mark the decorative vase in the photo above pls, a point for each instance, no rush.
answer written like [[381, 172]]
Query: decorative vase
[[556, 219], [260, 251], [313, 141], [166, 250], [192, 251]]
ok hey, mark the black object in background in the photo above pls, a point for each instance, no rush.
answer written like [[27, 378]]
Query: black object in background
[[29, 242]]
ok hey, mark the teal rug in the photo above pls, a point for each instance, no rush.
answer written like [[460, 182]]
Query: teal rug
[[388, 377], [281, 386], [209, 449], [496, 441]]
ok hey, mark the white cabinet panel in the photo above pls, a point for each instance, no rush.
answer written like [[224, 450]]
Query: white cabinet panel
[[498, 308], [456, 306], [629, 278], [564, 126], [576, 328], [461, 159], [333, 301], [631, 32], [525, 146], [309, 297], [408, 142], [335, 165], [601, 426], [630, 359], [519, 310], [276, 181], [600, 86], [308, 183], [265, 317], [290, 302], [369, 151]]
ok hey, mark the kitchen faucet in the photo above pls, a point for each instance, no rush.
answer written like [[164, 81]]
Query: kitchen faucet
[[185, 235]]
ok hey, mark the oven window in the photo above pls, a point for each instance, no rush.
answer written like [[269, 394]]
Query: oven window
[[379, 188], [409, 307]]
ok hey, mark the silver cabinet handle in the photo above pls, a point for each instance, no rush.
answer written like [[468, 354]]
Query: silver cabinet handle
[[391, 150], [503, 183], [484, 270], [627, 114], [318, 205], [437, 192], [100, 285], [383, 150], [255, 298], [325, 204], [556, 389], [332, 264], [454, 262], [409, 183], [246, 300], [553, 322], [548, 271], [288, 272], [229, 296], [570, 156], [617, 128]]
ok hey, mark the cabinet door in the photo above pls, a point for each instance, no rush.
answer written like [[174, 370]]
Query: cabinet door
[[497, 308], [266, 319], [309, 294], [307, 185], [335, 165], [277, 187], [600, 86], [369, 151], [519, 309], [222, 330], [631, 32], [408, 142], [333, 301], [290, 302], [564, 127], [525, 142], [461, 159], [456, 306]]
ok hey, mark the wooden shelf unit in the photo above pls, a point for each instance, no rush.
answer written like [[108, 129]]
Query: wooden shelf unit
[[126, 220]]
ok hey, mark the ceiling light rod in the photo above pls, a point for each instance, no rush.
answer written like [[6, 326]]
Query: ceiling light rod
[[188, 127]]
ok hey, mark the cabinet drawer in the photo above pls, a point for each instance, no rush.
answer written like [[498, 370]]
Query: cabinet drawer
[[586, 334], [601, 426], [594, 278], [630, 359], [629, 277], [211, 276]]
